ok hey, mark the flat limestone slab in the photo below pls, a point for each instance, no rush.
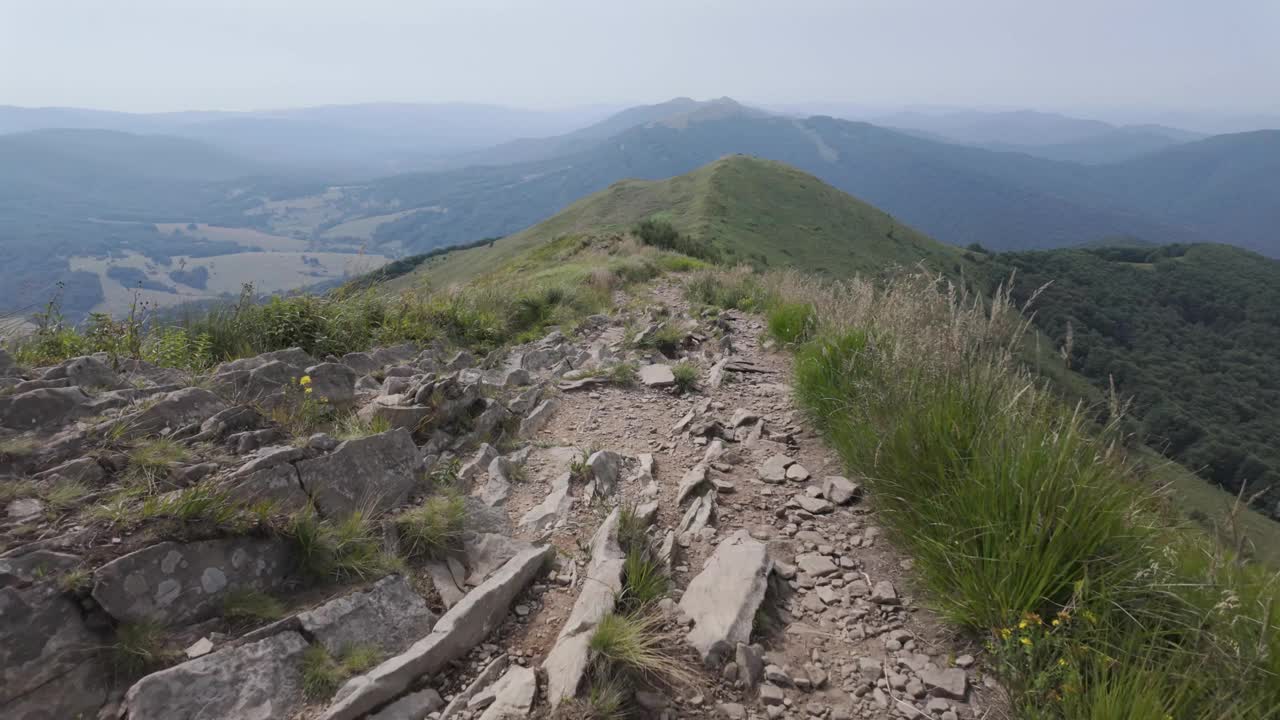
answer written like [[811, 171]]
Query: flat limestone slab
[[459, 630], [724, 597]]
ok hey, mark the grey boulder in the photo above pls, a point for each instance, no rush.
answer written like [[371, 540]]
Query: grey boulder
[[45, 408], [174, 583], [375, 472], [258, 681], [840, 490], [390, 615], [333, 383], [173, 412]]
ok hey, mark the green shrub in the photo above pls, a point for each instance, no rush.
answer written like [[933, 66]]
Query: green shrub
[[791, 323], [662, 234]]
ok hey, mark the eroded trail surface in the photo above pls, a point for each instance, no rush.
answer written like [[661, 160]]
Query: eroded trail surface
[[833, 631], [201, 530]]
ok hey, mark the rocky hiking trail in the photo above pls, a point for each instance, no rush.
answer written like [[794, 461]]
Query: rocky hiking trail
[[785, 601]]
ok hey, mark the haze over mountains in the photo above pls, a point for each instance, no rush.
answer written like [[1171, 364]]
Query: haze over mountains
[[293, 185]]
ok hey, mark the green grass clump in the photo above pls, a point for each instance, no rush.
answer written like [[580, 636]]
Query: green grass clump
[[686, 375], [11, 490], [736, 289], [791, 323], [323, 674], [666, 339], [76, 582], [203, 502], [644, 580], [342, 549], [632, 531], [639, 644], [1025, 521], [433, 528], [150, 461], [623, 374], [352, 427], [251, 607], [64, 494], [608, 697], [140, 647], [16, 447], [680, 263]]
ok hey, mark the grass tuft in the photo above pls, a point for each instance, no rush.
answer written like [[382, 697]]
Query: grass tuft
[[140, 647], [644, 580], [64, 494], [639, 644], [251, 607], [150, 462], [323, 674], [791, 323], [686, 374], [352, 427], [343, 549], [433, 528]]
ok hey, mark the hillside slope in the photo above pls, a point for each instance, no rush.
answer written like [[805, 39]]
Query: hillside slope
[[1187, 332], [752, 210]]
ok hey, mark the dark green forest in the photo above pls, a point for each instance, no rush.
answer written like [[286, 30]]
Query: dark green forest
[[1189, 333]]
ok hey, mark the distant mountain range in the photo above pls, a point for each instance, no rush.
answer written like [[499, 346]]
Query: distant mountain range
[[348, 140], [234, 170], [956, 193], [1046, 135]]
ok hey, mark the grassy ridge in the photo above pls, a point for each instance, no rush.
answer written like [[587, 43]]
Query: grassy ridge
[[1026, 526], [751, 210]]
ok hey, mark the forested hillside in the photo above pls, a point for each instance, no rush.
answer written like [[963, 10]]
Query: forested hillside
[[1190, 333]]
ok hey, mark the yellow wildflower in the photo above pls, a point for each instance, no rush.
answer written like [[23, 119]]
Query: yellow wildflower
[[1062, 662], [1022, 625], [304, 380], [1005, 633], [307, 391], [1057, 622], [1026, 641]]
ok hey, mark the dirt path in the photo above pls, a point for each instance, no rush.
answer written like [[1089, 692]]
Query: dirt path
[[833, 650]]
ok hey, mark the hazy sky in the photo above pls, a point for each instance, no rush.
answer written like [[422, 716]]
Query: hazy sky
[[1221, 55]]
